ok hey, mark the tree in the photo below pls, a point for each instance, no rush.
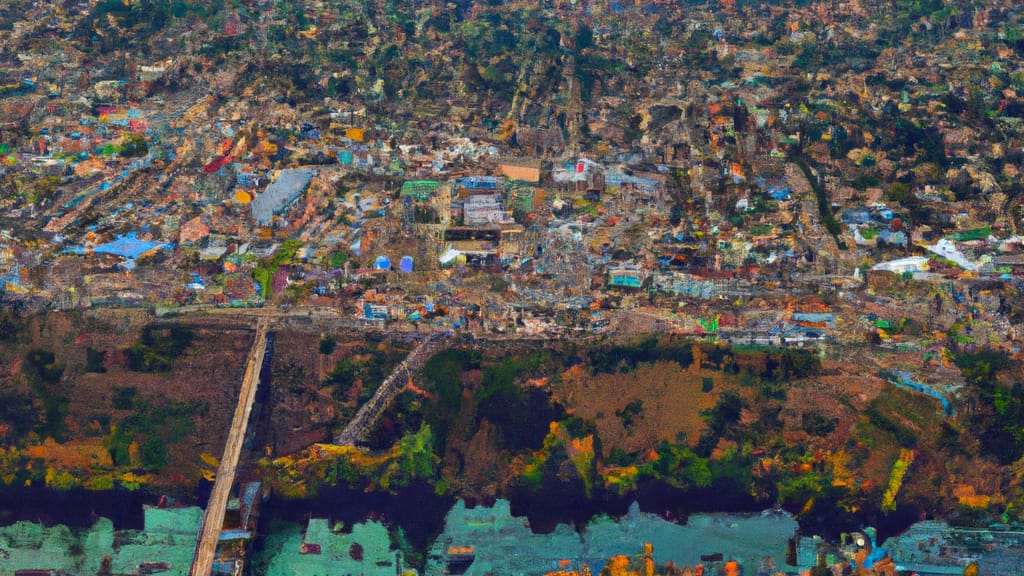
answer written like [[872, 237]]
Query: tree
[[342, 378], [327, 345], [154, 453], [414, 460], [725, 413], [94, 360], [679, 466]]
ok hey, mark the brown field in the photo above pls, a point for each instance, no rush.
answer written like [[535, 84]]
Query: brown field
[[208, 374], [672, 402]]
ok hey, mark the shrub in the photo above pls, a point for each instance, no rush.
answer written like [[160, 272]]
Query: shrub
[[124, 397], [342, 378], [327, 345], [817, 424], [154, 453], [94, 360], [10, 327], [630, 412], [41, 367], [725, 413], [904, 436], [158, 347]]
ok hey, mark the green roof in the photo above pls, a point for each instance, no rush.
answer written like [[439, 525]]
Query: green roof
[[524, 198], [420, 190], [973, 234]]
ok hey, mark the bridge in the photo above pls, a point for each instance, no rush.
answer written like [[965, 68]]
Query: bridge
[[360, 426], [356, 431], [213, 518]]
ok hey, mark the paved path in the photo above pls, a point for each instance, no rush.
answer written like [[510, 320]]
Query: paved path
[[213, 519]]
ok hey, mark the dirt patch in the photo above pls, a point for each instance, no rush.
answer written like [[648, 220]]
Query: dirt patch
[[298, 414], [671, 401], [304, 408], [182, 412]]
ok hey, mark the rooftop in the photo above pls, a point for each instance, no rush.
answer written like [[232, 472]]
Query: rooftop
[[290, 183]]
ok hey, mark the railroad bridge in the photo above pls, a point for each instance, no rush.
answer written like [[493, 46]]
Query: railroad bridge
[[361, 425]]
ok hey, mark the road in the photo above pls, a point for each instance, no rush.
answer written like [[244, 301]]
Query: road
[[213, 518]]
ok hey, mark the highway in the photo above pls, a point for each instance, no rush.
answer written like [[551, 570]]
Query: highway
[[213, 518]]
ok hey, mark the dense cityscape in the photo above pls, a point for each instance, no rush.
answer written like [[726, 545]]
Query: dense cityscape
[[489, 287]]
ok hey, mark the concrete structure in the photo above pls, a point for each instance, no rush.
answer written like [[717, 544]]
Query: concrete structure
[[359, 427], [281, 194], [908, 264], [213, 519]]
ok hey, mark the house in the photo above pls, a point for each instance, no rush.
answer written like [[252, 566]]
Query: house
[[584, 175], [522, 171], [482, 209], [473, 185], [375, 312], [856, 216], [642, 185], [193, 231], [779, 193], [213, 247]]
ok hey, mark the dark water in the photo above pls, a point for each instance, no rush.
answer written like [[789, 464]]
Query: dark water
[[676, 505], [75, 508], [545, 514], [654, 497], [895, 522]]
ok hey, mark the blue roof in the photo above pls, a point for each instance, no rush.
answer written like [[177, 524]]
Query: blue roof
[[487, 182], [127, 246], [627, 281]]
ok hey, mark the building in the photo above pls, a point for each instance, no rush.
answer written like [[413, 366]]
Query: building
[[480, 210], [281, 195], [419, 190], [522, 170], [908, 264], [626, 276]]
